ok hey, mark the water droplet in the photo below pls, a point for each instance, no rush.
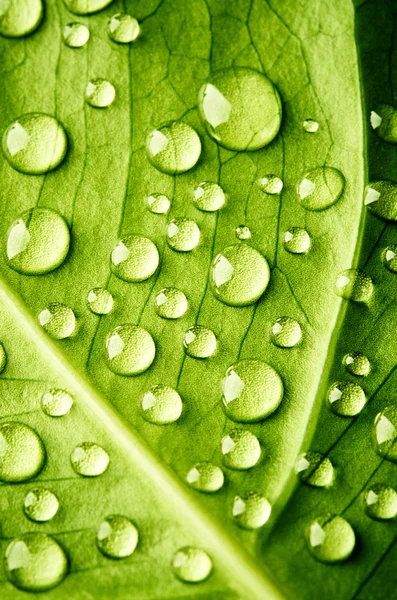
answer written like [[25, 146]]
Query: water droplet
[[35, 562], [321, 188], [89, 459], [100, 93], [191, 565], [100, 301], [205, 477], [183, 235], [241, 450], [173, 148], [286, 332], [239, 275], [117, 537], [3, 358], [76, 35], [331, 539], [346, 399], [243, 232], [86, 7], [270, 184], [381, 199], [384, 122], [123, 28], [161, 405], [297, 240], [380, 502], [135, 258], [357, 364], [35, 143], [390, 258], [355, 285], [252, 390], [22, 453], [386, 433], [200, 342], [38, 242], [58, 320], [315, 469], [56, 402], [171, 303], [40, 505], [209, 196], [19, 18], [131, 350], [158, 204], [241, 108], [310, 126], [251, 510]]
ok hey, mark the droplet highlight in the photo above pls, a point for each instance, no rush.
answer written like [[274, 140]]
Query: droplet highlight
[[209, 196], [386, 433], [310, 126], [75, 35], [251, 511], [384, 122], [390, 258], [135, 258], [357, 364], [158, 204], [354, 285], [22, 453], [380, 502], [271, 184], [19, 18], [171, 303], [381, 199], [89, 459], [346, 399], [58, 320], [100, 93], [315, 469], [117, 537], [243, 232], [297, 240], [173, 148], [183, 235], [286, 332], [161, 405], [56, 402], [191, 565], [331, 539], [40, 505], [205, 477], [123, 28], [100, 301], [241, 450], [200, 342], [321, 188], [130, 349]]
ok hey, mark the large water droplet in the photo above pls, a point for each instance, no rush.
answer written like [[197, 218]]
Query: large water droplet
[[3, 358], [381, 199], [386, 433], [100, 301], [239, 275], [158, 204], [183, 235], [131, 350], [270, 184], [161, 405], [117, 537], [241, 108], [310, 126], [191, 565], [209, 196], [35, 562], [89, 459], [123, 28], [173, 148], [355, 285], [205, 477], [286, 332], [100, 93], [331, 539], [251, 511], [296, 240], [390, 258], [171, 303], [22, 453], [252, 390], [315, 469], [243, 232], [380, 502], [357, 364], [321, 188], [58, 320], [56, 402], [86, 7], [241, 450], [35, 143], [200, 342], [38, 242], [384, 122], [346, 399], [135, 258], [75, 35], [19, 17], [40, 505]]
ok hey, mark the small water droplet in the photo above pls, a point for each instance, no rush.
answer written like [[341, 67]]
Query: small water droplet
[[355, 285], [19, 18], [286, 332], [384, 122], [239, 275], [270, 184], [173, 148], [86, 7], [89, 459], [251, 511], [205, 477], [158, 204], [321, 188], [241, 450], [171, 303], [100, 301], [390, 258], [135, 258], [243, 232], [123, 28], [117, 537], [40, 505], [161, 405], [310, 126], [191, 565], [314, 469], [380, 502], [297, 240], [200, 342], [100, 93], [35, 143], [252, 390], [76, 35], [241, 108], [381, 199], [22, 453], [183, 235], [3, 358], [35, 562], [131, 350], [209, 196], [58, 320], [357, 364], [56, 402], [331, 539], [346, 399], [386, 433]]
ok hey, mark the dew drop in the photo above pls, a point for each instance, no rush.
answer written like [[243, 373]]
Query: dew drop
[[251, 511], [380, 502], [239, 275], [381, 199], [100, 301], [86, 7], [89, 459], [117, 537], [37, 242], [56, 402], [270, 184], [241, 108], [297, 240], [100, 93], [158, 204], [346, 399], [286, 332], [243, 232], [386, 433], [173, 148], [19, 17], [171, 303], [3, 358], [310, 126], [209, 196], [357, 364], [135, 258], [40, 505], [384, 122], [355, 285], [252, 390], [35, 143], [191, 565], [314, 469], [390, 258], [123, 28], [205, 477], [76, 35], [130, 349], [183, 235], [35, 562], [161, 405], [22, 453], [321, 188], [199, 342], [241, 450], [331, 539], [58, 320]]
